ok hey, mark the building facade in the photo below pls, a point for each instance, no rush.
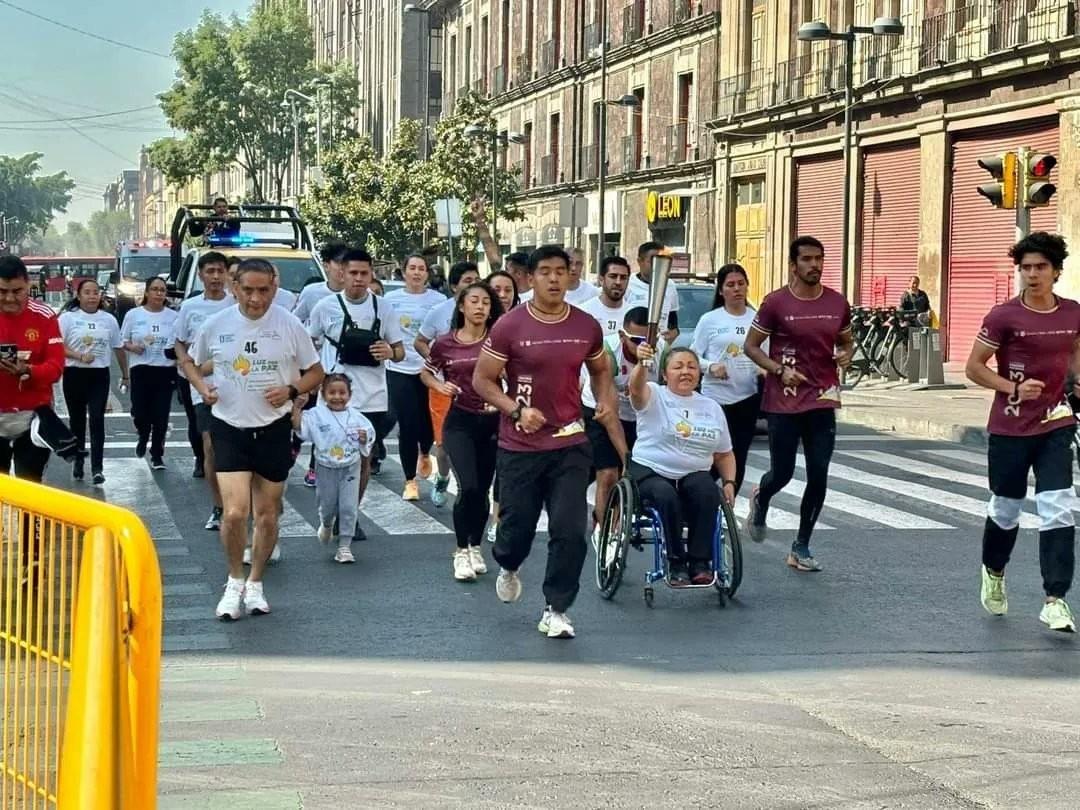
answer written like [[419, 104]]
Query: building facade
[[389, 47], [539, 63], [967, 79]]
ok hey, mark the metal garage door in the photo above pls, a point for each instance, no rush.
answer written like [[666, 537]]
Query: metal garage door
[[980, 272], [819, 211], [889, 224]]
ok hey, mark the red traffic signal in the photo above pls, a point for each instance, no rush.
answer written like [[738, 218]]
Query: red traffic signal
[[1038, 190]]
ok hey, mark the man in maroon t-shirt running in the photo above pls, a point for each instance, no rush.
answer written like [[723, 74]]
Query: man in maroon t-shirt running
[[544, 452], [1034, 340], [808, 327]]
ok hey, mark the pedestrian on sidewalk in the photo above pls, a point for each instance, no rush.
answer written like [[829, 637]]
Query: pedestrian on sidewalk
[[31, 362], [436, 324], [360, 332], [149, 336], [342, 437], [263, 360], [89, 334], [194, 312], [808, 327], [1033, 338], [408, 395], [544, 454], [471, 431], [731, 378]]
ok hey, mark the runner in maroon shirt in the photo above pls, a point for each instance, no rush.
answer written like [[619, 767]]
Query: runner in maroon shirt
[[1033, 338], [808, 327], [470, 433], [544, 453]]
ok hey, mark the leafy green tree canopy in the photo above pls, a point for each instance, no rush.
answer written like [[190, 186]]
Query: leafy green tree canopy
[[29, 197]]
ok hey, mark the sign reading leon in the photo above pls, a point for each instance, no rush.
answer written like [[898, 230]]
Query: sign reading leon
[[663, 207]]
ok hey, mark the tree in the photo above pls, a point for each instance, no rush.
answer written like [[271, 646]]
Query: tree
[[371, 201], [106, 228], [30, 198], [227, 98], [388, 203]]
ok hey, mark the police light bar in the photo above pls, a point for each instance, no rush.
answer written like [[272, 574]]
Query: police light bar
[[231, 240]]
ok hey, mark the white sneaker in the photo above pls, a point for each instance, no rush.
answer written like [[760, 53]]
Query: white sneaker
[[325, 533], [275, 555], [463, 570], [344, 555], [254, 602], [555, 625], [1057, 616], [228, 609], [476, 557], [247, 555], [508, 586]]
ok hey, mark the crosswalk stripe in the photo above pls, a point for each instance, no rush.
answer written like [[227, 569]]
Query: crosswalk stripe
[[778, 518], [922, 468], [934, 495], [542, 523], [852, 505], [127, 484]]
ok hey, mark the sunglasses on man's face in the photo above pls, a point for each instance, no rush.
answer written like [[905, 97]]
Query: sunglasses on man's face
[[637, 340]]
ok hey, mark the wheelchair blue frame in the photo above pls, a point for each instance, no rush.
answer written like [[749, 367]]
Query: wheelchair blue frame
[[721, 574]]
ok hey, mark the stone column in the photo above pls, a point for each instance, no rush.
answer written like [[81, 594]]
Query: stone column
[[1068, 192], [934, 202]]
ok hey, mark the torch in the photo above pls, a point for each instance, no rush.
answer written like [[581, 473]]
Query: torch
[[658, 279]]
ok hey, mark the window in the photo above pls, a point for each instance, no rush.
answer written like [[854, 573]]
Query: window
[[530, 21], [757, 39], [637, 130], [556, 32], [681, 141], [526, 158], [468, 57], [483, 69], [554, 134], [452, 66], [504, 36]]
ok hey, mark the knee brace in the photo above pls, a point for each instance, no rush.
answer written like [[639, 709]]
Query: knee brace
[[1005, 512], [1055, 509]]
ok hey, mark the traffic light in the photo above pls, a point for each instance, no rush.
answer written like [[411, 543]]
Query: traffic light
[[1037, 188], [1003, 168]]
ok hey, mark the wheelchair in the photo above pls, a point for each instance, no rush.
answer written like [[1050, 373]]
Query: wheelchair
[[629, 522]]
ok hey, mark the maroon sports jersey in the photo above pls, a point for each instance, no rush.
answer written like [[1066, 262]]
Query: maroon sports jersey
[[543, 371], [803, 335], [1031, 345], [456, 361]]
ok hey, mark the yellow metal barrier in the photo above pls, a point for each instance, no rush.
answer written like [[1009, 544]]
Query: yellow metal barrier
[[80, 625]]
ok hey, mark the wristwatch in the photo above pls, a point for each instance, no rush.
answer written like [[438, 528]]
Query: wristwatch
[[515, 415], [779, 371], [729, 481], [294, 392]]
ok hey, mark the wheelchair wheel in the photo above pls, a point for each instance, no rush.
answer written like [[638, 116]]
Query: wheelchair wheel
[[616, 529], [731, 548]]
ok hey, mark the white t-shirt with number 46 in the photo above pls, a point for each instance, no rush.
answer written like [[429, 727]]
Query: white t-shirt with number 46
[[251, 356]]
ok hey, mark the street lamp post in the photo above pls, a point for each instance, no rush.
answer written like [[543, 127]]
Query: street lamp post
[[628, 100], [496, 139], [291, 96], [817, 32]]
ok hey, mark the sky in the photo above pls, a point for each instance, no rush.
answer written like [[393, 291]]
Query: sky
[[48, 72]]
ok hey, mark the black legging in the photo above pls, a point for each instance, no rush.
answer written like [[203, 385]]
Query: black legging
[[86, 391], [742, 420], [471, 441], [409, 405], [151, 398], [817, 430], [183, 388], [694, 499]]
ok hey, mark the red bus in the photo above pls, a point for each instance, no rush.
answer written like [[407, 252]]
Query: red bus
[[54, 277]]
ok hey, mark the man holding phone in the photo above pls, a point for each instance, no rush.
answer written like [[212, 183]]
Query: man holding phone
[[31, 361]]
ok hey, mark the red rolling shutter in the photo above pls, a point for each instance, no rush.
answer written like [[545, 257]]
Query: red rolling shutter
[[980, 272], [889, 227], [819, 210]]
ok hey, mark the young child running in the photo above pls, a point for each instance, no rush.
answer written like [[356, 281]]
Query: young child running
[[342, 436]]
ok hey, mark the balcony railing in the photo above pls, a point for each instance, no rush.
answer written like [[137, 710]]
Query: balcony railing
[[967, 34], [522, 69], [682, 10], [633, 23], [631, 154], [679, 143], [549, 168], [480, 86], [499, 80], [590, 161], [548, 57]]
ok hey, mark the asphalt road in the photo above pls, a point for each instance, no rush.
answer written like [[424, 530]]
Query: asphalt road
[[879, 683]]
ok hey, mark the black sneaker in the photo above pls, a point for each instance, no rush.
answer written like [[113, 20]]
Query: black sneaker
[[213, 523], [157, 463], [678, 575], [140, 447], [78, 470], [199, 471], [755, 520], [99, 478], [358, 535], [376, 466]]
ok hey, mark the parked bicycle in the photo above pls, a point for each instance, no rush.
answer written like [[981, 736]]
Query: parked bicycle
[[882, 342]]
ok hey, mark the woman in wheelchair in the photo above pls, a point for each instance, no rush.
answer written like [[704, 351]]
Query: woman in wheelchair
[[683, 446]]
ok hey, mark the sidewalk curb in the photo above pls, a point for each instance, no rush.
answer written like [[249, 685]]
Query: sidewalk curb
[[917, 427]]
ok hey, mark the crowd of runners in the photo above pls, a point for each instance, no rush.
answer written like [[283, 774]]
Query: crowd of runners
[[526, 386]]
